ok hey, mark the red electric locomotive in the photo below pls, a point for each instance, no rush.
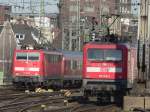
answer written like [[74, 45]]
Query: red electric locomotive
[[46, 67], [109, 67]]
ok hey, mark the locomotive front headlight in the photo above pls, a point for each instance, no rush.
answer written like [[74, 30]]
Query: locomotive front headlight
[[93, 69]]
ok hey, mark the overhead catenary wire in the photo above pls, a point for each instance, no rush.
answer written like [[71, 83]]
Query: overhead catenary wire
[[28, 6]]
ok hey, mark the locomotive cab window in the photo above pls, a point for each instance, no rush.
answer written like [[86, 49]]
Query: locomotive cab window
[[21, 56], [112, 55], [33, 56], [95, 54], [27, 56], [104, 54]]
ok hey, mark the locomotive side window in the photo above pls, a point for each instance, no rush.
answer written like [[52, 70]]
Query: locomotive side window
[[33, 56], [21, 56], [27, 56], [104, 54]]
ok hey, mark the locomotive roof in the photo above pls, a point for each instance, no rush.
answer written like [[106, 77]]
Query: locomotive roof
[[112, 39], [127, 44]]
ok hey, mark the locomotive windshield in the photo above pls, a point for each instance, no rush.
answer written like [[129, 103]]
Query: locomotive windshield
[[21, 56], [27, 56], [104, 54], [33, 56]]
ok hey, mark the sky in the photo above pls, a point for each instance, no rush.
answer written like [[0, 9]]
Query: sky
[[50, 6], [135, 8], [24, 5]]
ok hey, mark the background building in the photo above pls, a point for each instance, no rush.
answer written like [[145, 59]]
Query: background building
[[5, 12], [78, 18], [7, 46]]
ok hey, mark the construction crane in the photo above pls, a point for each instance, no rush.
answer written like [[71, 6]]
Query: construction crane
[[30, 6]]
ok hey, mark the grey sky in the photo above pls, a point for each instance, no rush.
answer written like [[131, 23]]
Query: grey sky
[[50, 5], [135, 8], [24, 5]]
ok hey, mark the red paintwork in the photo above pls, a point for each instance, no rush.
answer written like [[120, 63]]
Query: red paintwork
[[104, 65], [45, 68]]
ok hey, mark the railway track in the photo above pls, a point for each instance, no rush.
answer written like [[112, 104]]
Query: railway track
[[22, 102], [57, 101]]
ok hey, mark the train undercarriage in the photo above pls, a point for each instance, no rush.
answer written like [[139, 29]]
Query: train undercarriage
[[105, 91], [55, 83]]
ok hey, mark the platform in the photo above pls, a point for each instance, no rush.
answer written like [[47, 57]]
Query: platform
[[131, 102]]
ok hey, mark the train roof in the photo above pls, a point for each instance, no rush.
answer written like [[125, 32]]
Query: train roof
[[72, 54], [39, 50], [67, 54]]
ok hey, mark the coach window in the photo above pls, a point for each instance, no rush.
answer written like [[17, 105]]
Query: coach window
[[67, 64], [74, 64], [59, 58], [79, 64], [55, 58], [48, 57], [33, 56], [21, 56]]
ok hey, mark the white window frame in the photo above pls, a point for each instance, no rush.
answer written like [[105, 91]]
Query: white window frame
[[20, 38]]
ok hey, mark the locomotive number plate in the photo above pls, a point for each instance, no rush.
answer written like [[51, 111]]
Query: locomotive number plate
[[104, 76]]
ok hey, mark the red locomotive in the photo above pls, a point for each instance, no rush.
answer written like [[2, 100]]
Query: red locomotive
[[42, 67], [109, 67]]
